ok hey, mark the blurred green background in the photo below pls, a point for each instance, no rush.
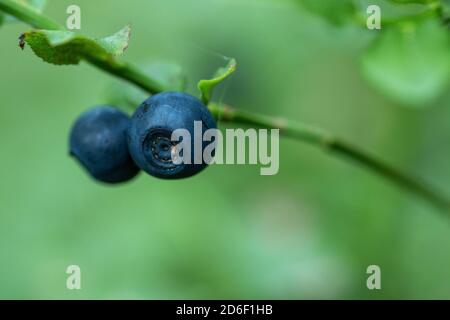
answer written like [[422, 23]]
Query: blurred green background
[[308, 232]]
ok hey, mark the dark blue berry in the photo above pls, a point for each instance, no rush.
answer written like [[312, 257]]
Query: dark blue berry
[[98, 141], [149, 135]]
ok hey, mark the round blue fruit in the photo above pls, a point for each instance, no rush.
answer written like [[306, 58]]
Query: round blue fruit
[[98, 141], [150, 132]]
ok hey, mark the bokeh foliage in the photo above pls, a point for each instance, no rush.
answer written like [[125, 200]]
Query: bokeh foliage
[[308, 232]]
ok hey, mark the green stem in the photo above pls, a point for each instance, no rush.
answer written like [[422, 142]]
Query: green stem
[[296, 131], [328, 141], [128, 72], [29, 15]]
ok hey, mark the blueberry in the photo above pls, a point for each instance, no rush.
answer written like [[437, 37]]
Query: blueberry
[[149, 135], [98, 141]]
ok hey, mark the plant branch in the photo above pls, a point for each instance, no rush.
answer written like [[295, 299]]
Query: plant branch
[[293, 130], [127, 72], [326, 140]]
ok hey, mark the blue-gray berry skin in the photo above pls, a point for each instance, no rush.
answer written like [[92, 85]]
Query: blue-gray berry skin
[[98, 141], [149, 135]]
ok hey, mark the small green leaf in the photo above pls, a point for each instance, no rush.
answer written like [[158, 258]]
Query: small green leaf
[[410, 62], [206, 87], [118, 42], [336, 12], [66, 47]]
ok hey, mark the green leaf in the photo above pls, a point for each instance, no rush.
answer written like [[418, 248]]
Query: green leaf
[[117, 43], [127, 96], [66, 47], [336, 12], [410, 62], [206, 87]]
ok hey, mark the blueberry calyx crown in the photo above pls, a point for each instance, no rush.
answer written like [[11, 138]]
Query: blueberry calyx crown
[[151, 128]]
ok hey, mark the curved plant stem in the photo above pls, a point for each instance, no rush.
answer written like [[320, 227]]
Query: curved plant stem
[[328, 141], [293, 130]]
